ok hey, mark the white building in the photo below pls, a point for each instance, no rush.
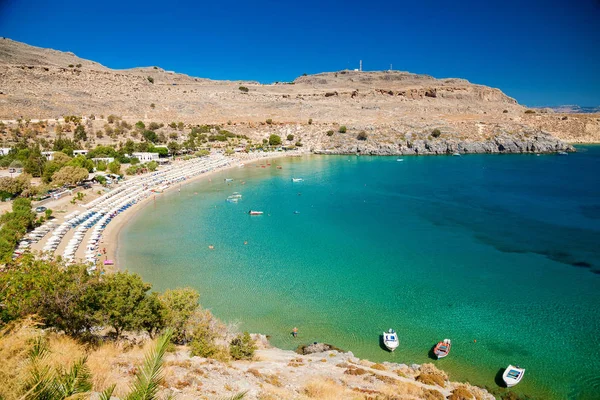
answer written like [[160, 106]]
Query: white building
[[79, 153], [49, 155], [106, 160], [145, 157], [4, 151]]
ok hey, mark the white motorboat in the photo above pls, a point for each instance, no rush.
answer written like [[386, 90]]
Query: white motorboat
[[513, 375], [253, 212], [390, 340], [442, 349], [297, 179]]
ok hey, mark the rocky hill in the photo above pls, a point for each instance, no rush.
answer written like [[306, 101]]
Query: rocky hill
[[391, 108]]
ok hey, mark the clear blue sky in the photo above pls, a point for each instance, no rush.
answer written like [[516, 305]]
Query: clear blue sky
[[540, 52]]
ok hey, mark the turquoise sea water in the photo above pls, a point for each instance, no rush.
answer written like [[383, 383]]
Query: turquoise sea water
[[501, 249]]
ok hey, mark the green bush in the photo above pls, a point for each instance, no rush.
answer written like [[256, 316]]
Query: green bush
[[244, 89], [269, 121], [330, 133], [242, 347], [150, 79], [114, 167], [529, 111], [362, 135], [274, 140], [436, 133], [310, 121], [342, 129], [290, 137]]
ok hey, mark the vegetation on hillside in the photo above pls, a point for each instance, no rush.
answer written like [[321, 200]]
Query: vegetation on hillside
[[68, 300]]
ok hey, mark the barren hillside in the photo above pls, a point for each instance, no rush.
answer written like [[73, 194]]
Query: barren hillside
[[390, 106]]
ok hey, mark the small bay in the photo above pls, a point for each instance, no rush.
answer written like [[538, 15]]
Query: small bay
[[500, 253]]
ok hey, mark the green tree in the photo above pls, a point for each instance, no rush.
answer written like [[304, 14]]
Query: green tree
[[123, 301], [79, 133], [101, 166], [436, 133], [72, 302], [34, 164], [173, 147], [129, 146], [342, 129], [81, 162], [134, 160], [204, 336], [244, 89], [69, 175], [290, 137], [140, 126], [274, 140], [242, 347], [179, 305], [150, 136], [362, 135], [152, 166], [114, 167], [48, 213], [152, 314], [330, 133]]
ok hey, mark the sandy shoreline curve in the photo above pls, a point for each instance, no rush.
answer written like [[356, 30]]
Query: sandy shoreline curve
[[111, 235]]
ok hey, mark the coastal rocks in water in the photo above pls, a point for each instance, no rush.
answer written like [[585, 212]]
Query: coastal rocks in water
[[541, 142], [315, 347]]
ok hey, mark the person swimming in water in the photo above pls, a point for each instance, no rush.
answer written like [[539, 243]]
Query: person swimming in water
[[295, 332]]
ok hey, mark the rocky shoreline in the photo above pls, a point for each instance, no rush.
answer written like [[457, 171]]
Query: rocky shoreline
[[506, 144]]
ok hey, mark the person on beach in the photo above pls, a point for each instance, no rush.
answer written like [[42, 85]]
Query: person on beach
[[295, 332]]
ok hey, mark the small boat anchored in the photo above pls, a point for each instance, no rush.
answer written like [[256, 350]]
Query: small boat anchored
[[228, 180], [442, 349], [252, 212], [390, 340], [513, 375], [297, 180]]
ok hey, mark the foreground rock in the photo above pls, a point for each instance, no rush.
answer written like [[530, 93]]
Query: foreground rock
[[281, 374]]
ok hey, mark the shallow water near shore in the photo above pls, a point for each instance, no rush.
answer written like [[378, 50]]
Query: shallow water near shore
[[500, 253]]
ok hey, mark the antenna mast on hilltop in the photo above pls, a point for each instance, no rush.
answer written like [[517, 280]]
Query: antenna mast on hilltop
[[360, 66]]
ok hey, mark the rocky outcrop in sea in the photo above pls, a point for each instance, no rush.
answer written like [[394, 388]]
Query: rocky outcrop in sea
[[504, 144]]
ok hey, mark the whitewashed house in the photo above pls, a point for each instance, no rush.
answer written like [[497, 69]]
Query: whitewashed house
[[145, 157]]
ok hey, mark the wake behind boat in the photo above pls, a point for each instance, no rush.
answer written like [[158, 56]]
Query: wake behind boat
[[442, 349], [513, 375], [390, 340]]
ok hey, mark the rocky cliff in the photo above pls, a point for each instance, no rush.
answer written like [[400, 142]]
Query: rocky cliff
[[390, 106]]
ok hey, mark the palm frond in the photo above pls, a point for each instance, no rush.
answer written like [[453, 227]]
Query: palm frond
[[107, 393], [39, 350], [147, 380], [238, 396], [40, 380], [77, 380]]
